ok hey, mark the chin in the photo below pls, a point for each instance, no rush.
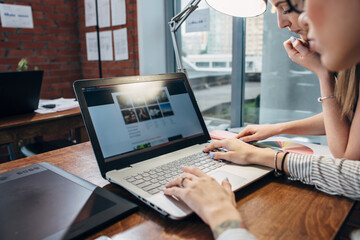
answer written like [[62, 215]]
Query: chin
[[333, 66]]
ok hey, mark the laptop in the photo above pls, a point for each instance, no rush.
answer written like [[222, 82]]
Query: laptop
[[19, 92], [144, 128]]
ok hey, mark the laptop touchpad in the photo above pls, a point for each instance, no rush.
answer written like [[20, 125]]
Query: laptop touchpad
[[236, 181]]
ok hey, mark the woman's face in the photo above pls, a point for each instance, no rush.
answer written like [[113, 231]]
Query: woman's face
[[289, 19], [335, 31]]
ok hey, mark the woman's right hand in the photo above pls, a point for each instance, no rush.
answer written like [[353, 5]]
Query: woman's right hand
[[253, 133]]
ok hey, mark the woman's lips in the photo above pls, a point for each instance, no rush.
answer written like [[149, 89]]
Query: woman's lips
[[312, 45]]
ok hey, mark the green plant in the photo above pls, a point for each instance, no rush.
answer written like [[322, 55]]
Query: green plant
[[22, 65]]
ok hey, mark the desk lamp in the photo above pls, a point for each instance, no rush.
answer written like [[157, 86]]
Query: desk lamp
[[236, 8]]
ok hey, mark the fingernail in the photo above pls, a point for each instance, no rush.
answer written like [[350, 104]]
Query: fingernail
[[163, 189], [241, 139], [227, 179], [181, 166], [292, 39], [211, 154]]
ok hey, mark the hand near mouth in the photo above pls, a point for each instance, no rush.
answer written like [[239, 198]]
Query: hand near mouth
[[300, 53]]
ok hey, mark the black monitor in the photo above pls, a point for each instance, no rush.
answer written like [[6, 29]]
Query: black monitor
[[19, 92]]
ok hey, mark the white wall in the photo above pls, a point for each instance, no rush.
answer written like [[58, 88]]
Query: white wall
[[151, 35]]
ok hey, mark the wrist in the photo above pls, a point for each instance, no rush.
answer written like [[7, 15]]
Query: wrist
[[324, 75], [228, 224], [262, 156], [222, 214], [279, 128]]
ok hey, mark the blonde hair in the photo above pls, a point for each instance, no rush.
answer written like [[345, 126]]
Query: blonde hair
[[347, 90]]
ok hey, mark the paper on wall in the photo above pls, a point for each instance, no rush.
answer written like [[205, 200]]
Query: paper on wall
[[121, 44], [16, 16], [106, 47], [199, 21], [118, 12], [104, 13], [90, 13], [92, 46]]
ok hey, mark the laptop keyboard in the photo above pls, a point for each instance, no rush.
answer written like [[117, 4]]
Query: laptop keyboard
[[155, 179]]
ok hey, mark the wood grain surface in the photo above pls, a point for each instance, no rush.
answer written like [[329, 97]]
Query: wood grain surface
[[272, 208]]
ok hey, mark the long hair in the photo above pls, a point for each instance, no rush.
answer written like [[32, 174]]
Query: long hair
[[347, 90]]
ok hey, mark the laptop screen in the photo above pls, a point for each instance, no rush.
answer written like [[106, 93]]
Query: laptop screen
[[137, 117]]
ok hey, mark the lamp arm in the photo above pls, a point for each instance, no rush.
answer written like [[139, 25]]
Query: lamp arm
[[175, 24]]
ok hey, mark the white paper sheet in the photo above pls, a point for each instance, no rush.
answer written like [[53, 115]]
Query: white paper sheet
[[106, 46], [92, 46], [16, 16], [104, 13], [198, 21], [61, 104], [118, 12], [90, 13], [121, 44]]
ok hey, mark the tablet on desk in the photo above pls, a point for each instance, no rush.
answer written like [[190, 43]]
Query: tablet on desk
[[45, 202]]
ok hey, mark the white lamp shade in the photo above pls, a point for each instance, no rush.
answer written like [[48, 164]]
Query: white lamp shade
[[239, 8]]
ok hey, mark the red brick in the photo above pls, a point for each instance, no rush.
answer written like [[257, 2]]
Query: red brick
[[18, 37], [35, 30], [46, 38], [42, 8], [10, 61], [4, 68], [60, 9], [21, 53], [49, 66], [68, 52], [44, 22], [33, 45], [59, 72], [9, 45], [62, 85], [47, 52], [55, 16], [38, 15], [8, 30], [38, 60], [58, 45], [55, 2]]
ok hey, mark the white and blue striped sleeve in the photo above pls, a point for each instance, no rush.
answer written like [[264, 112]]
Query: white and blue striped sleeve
[[330, 175]]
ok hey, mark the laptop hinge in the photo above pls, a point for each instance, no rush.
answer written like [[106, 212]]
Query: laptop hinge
[[124, 169]]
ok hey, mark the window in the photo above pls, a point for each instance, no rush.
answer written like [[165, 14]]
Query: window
[[276, 89], [207, 56], [273, 89]]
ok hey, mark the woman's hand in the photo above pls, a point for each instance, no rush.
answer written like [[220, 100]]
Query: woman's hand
[[213, 203], [237, 151], [254, 133], [299, 52]]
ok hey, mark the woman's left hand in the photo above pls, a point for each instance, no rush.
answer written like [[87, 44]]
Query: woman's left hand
[[213, 203]]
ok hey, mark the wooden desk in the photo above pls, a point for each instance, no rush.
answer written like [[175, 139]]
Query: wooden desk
[[27, 126], [271, 208]]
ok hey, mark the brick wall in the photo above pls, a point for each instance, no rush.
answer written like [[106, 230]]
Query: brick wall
[[57, 45]]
